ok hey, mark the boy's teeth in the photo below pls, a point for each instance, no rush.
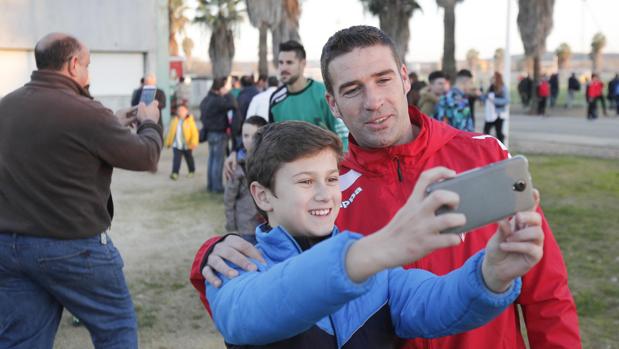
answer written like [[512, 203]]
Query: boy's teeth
[[319, 212]]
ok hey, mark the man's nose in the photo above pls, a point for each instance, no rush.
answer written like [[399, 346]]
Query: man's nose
[[373, 98]]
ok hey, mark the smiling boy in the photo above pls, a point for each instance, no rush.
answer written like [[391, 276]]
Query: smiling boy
[[323, 289]]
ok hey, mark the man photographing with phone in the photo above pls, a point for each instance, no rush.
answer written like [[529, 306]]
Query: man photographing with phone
[[149, 92], [390, 146], [58, 148]]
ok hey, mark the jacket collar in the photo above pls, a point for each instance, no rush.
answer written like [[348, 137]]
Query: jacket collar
[[432, 136], [277, 244], [52, 79]]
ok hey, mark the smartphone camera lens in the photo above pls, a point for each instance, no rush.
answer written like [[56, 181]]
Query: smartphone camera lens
[[520, 185]]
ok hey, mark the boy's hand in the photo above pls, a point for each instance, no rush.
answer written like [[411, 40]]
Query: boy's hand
[[230, 166], [514, 249], [235, 250], [411, 234]]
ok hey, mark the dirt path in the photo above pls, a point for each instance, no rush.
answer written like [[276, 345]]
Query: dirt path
[[158, 226]]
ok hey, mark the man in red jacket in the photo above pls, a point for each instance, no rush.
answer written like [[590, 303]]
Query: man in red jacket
[[390, 145]]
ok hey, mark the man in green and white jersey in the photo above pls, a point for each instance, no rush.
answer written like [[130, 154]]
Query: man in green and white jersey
[[301, 98]]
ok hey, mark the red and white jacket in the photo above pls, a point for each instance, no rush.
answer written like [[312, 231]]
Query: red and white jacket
[[375, 185]]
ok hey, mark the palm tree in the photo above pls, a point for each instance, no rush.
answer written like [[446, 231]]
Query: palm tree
[[472, 59], [263, 14], [176, 23], [597, 44], [394, 16], [220, 16], [564, 53], [288, 26], [449, 41], [499, 59], [534, 25]]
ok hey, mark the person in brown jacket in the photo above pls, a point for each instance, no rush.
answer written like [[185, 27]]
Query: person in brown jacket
[[58, 148], [433, 92]]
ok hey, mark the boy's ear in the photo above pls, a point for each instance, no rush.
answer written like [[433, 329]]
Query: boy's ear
[[261, 196]]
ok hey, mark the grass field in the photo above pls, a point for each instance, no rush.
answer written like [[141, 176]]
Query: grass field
[[580, 197]]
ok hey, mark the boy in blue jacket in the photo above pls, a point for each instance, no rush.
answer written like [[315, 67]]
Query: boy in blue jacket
[[320, 288]]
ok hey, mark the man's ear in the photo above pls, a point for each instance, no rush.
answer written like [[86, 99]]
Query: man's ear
[[333, 105], [72, 66], [405, 80], [262, 196]]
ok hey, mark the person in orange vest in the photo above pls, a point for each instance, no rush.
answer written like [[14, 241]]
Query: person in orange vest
[[183, 138], [595, 91], [543, 91]]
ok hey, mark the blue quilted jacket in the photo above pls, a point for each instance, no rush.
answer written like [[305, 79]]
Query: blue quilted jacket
[[305, 299]]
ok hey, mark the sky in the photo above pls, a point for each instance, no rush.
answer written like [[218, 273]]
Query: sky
[[480, 24]]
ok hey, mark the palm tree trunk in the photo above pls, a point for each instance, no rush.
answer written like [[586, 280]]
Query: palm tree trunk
[[221, 51], [536, 80], [595, 62], [263, 64], [394, 22], [449, 43]]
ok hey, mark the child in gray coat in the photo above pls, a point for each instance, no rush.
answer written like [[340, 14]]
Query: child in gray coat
[[241, 214]]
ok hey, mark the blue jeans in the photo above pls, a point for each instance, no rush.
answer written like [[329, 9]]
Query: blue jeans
[[41, 276], [216, 154]]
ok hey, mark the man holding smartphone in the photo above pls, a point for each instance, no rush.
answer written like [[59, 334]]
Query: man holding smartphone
[[150, 82], [58, 148], [390, 146]]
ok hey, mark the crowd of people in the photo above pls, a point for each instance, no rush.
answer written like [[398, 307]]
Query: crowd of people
[[548, 88], [454, 103], [331, 238]]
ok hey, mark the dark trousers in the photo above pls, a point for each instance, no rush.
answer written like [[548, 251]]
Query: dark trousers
[[592, 109], [217, 142], [541, 105], [498, 127], [176, 161]]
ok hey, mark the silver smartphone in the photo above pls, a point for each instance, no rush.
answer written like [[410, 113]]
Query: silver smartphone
[[148, 94], [489, 194]]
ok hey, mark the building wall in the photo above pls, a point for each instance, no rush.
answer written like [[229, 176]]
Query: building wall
[[124, 38]]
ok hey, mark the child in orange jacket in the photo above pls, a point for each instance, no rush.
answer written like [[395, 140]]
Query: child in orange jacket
[[183, 138]]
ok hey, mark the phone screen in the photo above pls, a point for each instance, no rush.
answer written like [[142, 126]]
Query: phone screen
[[148, 94]]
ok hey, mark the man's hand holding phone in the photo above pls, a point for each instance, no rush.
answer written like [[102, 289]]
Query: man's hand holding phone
[[127, 116], [514, 249], [148, 112]]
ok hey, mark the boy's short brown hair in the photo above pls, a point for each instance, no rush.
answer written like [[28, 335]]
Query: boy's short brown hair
[[278, 143]]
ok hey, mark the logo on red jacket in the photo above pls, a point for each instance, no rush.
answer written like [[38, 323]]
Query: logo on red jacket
[[346, 203]]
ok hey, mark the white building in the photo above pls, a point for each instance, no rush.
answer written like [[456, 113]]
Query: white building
[[127, 38]]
